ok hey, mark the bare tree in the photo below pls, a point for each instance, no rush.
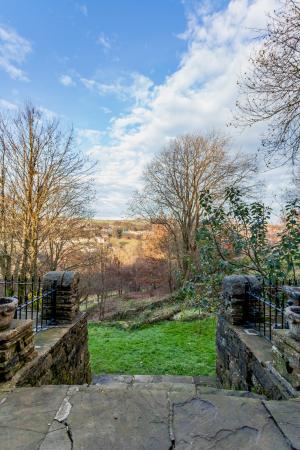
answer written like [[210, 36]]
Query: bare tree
[[292, 192], [100, 279], [69, 245], [44, 180], [174, 181], [270, 90], [8, 222], [101, 285]]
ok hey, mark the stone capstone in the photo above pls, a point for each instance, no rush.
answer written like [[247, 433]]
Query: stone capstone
[[234, 285]]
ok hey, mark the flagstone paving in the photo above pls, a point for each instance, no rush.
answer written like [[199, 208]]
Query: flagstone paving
[[145, 413]]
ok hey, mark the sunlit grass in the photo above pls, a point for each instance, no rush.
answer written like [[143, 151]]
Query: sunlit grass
[[174, 348]]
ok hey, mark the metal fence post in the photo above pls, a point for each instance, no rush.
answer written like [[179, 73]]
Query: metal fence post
[[53, 302]]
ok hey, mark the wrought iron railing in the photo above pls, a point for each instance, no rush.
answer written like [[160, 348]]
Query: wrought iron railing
[[265, 309], [34, 302]]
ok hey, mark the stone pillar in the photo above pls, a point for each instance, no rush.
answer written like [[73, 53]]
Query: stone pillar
[[66, 297], [286, 345], [293, 294], [236, 308], [16, 348]]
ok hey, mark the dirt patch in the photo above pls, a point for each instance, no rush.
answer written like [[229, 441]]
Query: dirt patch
[[116, 306]]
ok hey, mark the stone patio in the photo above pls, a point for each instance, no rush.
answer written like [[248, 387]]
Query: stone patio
[[145, 413]]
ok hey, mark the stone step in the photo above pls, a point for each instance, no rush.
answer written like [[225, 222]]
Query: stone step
[[166, 383], [174, 379]]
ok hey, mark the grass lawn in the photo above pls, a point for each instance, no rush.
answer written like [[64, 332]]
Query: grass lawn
[[171, 347]]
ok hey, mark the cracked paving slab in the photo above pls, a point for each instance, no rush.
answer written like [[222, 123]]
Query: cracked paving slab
[[286, 415], [115, 420], [97, 417], [25, 416], [57, 438], [59, 435], [222, 422]]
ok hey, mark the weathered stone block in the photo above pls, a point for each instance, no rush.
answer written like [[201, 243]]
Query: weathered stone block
[[286, 357], [16, 348]]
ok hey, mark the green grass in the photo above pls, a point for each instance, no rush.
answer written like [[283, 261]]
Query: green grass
[[174, 348]]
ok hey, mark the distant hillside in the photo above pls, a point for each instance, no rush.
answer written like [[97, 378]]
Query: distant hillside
[[273, 231], [125, 237]]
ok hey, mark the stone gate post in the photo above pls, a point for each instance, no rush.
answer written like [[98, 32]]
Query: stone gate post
[[66, 296], [235, 307]]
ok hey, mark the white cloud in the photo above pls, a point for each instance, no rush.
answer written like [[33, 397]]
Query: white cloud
[[89, 84], [13, 52], [66, 80], [141, 88], [50, 115], [6, 105], [105, 109], [198, 96], [105, 42], [83, 9], [89, 135], [134, 86]]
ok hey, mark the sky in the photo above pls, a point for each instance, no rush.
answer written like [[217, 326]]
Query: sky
[[131, 75]]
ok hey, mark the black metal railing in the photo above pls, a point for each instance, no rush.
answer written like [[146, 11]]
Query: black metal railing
[[34, 302], [265, 309]]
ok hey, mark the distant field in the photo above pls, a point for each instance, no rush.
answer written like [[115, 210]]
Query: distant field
[[174, 348], [139, 224]]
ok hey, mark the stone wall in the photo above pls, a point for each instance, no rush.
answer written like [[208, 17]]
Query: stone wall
[[57, 355], [286, 357], [63, 357], [245, 360]]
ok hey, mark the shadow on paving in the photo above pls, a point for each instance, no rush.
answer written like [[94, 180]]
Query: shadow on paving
[[123, 415]]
